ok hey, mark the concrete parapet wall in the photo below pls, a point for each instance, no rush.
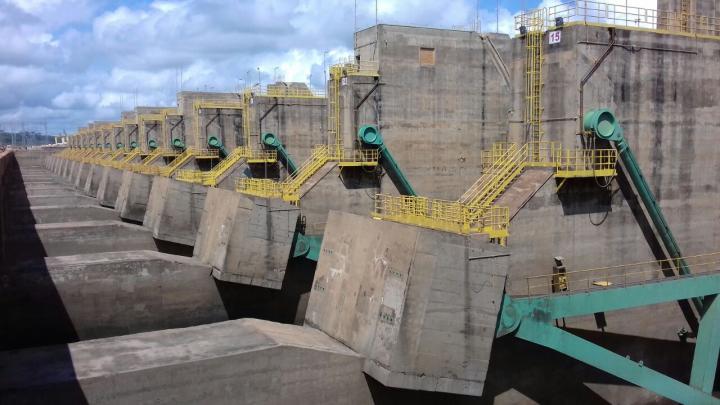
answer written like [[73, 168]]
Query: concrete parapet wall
[[245, 361], [70, 238], [421, 305], [246, 240], [70, 298]]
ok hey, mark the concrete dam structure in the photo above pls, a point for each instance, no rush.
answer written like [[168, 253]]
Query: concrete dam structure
[[459, 218]]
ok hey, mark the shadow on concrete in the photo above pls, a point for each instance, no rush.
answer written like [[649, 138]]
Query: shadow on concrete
[[285, 305], [522, 371], [585, 196], [19, 329]]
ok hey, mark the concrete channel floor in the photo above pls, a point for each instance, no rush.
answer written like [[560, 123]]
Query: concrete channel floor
[[92, 313]]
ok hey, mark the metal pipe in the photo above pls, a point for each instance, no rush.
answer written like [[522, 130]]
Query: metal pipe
[[589, 74]]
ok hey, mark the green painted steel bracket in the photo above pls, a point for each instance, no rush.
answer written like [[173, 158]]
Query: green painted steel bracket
[[531, 319], [272, 141], [603, 124], [307, 247], [370, 135]]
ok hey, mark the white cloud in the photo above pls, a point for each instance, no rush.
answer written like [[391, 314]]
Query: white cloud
[[73, 61]]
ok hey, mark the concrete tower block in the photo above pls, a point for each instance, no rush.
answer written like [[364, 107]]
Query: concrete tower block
[[421, 305], [246, 240], [133, 195], [174, 210], [109, 186]]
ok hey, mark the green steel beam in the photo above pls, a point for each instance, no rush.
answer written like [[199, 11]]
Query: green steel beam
[[547, 335], [567, 305], [272, 141], [370, 135], [707, 347], [603, 124], [531, 319]]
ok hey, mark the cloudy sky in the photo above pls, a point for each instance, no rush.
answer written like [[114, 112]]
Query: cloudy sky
[[66, 62]]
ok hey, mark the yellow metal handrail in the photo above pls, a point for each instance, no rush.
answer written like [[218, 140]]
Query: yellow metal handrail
[[611, 276], [607, 14], [265, 188], [443, 215]]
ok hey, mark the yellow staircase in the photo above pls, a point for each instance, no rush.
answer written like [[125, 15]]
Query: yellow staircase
[[213, 177], [475, 211], [183, 158], [291, 189], [318, 159]]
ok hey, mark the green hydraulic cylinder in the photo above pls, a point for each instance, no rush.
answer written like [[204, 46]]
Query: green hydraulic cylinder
[[215, 143], [272, 141], [178, 143], [152, 144], [133, 144], [308, 247], [603, 124], [370, 135]]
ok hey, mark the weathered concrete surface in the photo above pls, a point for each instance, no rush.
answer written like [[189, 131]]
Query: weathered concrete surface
[[92, 180], [246, 361], [48, 200], [80, 175], [246, 240], [174, 210], [133, 195], [60, 213], [107, 192], [70, 298], [70, 238], [435, 118], [421, 305], [348, 190]]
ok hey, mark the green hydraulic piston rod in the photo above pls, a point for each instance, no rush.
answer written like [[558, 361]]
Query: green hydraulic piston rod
[[603, 124], [370, 135], [215, 143], [272, 141]]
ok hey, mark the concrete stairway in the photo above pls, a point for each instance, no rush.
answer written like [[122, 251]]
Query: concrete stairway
[[523, 189]]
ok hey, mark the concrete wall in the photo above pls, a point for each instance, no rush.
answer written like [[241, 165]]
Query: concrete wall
[[90, 296], [246, 361], [174, 210], [437, 118], [421, 305], [185, 101], [133, 196], [246, 240]]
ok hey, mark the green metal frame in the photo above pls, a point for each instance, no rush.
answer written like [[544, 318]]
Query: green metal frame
[[531, 319], [370, 135]]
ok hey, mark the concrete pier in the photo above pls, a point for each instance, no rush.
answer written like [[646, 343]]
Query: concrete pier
[[421, 305], [244, 361], [133, 196]]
